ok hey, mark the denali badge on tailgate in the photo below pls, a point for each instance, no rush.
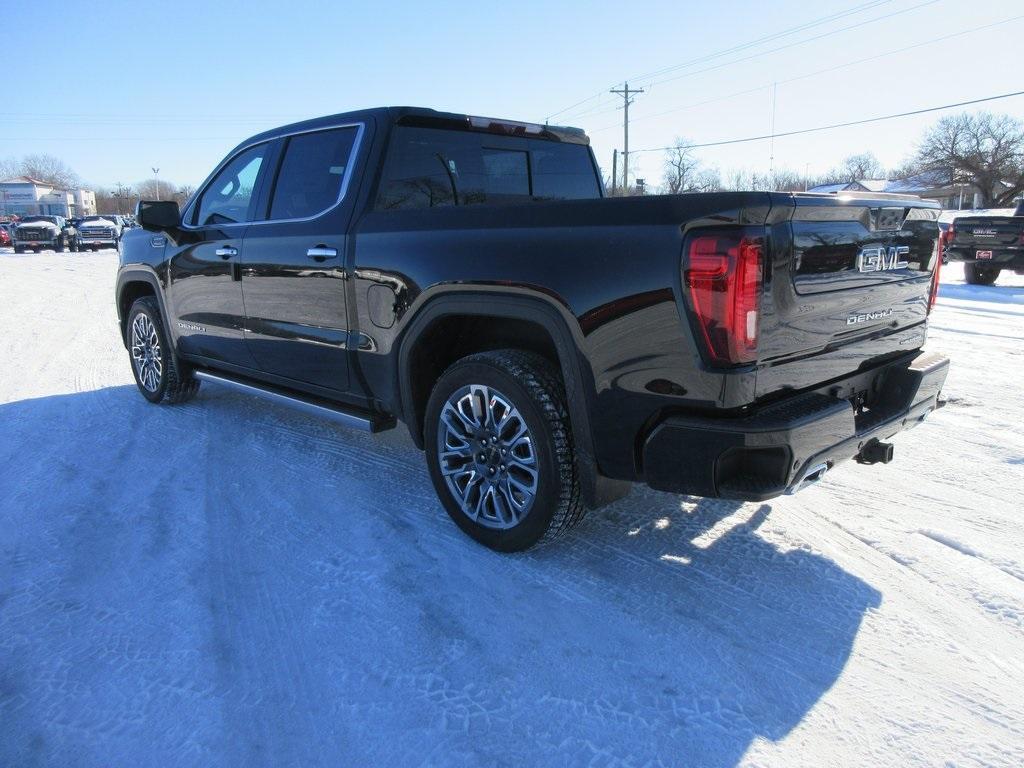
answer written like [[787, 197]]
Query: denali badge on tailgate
[[879, 259], [868, 317]]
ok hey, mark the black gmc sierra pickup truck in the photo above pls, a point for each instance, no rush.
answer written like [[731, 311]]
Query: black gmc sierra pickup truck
[[546, 346], [986, 245]]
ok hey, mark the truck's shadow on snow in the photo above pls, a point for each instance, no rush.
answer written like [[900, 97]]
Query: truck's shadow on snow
[[227, 583]]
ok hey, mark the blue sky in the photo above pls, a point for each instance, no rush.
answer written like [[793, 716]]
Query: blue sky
[[122, 87]]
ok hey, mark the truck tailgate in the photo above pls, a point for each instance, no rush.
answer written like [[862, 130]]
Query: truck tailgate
[[844, 271], [970, 232]]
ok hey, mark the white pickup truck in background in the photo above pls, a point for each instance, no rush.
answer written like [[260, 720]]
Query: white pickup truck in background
[[101, 231]]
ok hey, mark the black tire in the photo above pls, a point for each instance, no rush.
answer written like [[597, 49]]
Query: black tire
[[978, 274], [59, 246], [18, 249], [175, 383], [534, 387]]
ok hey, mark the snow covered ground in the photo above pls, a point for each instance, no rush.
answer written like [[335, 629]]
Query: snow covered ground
[[228, 583]]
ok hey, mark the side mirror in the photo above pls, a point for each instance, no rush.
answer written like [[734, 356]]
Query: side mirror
[[158, 215]]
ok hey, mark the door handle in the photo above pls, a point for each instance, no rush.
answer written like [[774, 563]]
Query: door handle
[[322, 253], [227, 252]]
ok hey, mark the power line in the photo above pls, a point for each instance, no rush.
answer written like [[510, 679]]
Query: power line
[[708, 57], [793, 44], [806, 75], [797, 42], [766, 39], [837, 125]]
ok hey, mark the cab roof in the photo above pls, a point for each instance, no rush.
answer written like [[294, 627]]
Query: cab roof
[[431, 118]]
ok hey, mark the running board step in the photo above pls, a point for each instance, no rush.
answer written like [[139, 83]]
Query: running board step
[[349, 417]]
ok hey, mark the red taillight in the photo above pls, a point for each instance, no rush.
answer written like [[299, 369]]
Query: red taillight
[[724, 274], [940, 252], [947, 237]]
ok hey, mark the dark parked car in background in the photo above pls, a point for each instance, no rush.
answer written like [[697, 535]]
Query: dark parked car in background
[[546, 346], [986, 245], [36, 233]]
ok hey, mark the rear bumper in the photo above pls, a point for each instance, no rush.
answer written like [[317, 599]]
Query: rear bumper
[[1004, 258], [771, 451]]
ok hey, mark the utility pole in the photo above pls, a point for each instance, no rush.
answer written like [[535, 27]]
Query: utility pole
[[615, 168], [156, 175], [626, 101], [771, 148]]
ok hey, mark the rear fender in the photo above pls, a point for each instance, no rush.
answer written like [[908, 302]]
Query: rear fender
[[576, 373]]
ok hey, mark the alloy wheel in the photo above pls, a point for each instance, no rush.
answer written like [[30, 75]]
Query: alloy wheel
[[487, 456], [146, 352]]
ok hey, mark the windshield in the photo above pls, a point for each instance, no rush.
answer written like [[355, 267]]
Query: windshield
[[98, 218], [30, 219]]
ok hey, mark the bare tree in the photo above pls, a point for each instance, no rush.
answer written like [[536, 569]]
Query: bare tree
[[156, 189], [184, 192], [779, 180], [862, 166], [9, 168], [685, 173], [983, 150], [50, 169]]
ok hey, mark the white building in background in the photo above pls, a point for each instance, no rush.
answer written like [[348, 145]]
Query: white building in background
[[25, 196]]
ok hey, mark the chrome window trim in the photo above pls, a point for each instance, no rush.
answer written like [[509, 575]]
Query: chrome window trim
[[346, 179]]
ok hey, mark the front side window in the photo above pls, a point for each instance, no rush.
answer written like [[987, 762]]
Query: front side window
[[228, 198], [312, 173]]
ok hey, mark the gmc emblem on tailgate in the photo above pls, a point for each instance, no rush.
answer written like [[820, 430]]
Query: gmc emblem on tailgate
[[880, 259]]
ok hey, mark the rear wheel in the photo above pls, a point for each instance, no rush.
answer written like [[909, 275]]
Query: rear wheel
[[159, 374], [500, 451], [977, 274]]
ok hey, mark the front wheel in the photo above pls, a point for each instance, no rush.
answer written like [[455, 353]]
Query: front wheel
[[978, 274], [158, 373], [500, 450]]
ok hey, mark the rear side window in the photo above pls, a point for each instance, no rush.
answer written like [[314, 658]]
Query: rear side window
[[312, 173], [563, 172], [429, 168], [228, 198]]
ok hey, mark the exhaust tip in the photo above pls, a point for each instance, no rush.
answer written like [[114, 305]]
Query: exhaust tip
[[812, 476]]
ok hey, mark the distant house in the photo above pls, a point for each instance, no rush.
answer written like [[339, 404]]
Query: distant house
[[24, 196], [930, 185]]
